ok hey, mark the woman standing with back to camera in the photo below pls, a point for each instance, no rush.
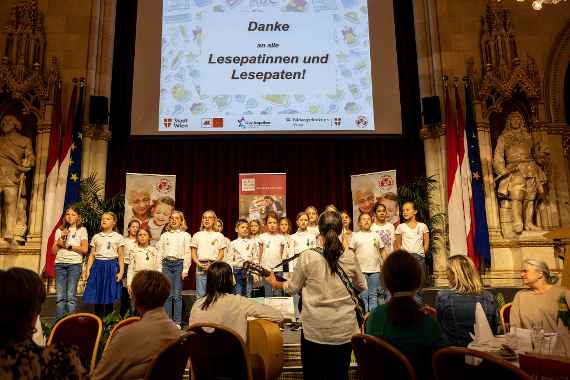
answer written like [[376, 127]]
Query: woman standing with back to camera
[[328, 313]]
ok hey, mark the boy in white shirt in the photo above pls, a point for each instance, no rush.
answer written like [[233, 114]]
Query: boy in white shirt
[[369, 251], [383, 228], [302, 239], [241, 250], [272, 253], [208, 245]]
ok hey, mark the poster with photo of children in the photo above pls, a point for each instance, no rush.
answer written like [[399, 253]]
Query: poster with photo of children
[[149, 198], [370, 188], [261, 193]]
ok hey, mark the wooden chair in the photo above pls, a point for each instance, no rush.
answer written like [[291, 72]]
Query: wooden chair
[[505, 315], [82, 330], [171, 362], [541, 366], [217, 352], [378, 359], [451, 364], [117, 327]]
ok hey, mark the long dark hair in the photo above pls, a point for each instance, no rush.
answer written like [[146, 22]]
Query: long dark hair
[[22, 293], [330, 226], [219, 281], [402, 273]]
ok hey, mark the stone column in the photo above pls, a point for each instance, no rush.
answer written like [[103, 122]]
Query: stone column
[[434, 150], [87, 154], [560, 181], [100, 144], [36, 205]]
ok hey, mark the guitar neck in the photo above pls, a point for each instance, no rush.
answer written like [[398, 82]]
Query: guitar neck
[[258, 269]]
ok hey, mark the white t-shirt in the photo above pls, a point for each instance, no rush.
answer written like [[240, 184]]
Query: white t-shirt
[[74, 238], [302, 240], [412, 238], [175, 245], [241, 250], [129, 245], [143, 259], [208, 244], [367, 245], [386, 234], [228, 255], [272, 250], [107, 245], [314, 230]]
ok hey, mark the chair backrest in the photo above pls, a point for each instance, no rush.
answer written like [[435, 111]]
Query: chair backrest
[[378, 359], [118, 326], [265, 348], [171, 362], [541, 366], [82, 330], [505, 315], [462, 363], [218, 352]]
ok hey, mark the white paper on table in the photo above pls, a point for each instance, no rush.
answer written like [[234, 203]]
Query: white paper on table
[[283, 304], [482, 329]]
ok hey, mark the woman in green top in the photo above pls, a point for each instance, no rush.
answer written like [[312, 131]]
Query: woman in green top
[[402, 321]]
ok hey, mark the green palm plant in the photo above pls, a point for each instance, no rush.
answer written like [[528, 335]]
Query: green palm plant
[[91, 205]]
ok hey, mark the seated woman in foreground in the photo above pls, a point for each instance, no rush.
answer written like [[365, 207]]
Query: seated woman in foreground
[[538, 305], [401, 321], [456, 307], [22, 293], [221, 306]]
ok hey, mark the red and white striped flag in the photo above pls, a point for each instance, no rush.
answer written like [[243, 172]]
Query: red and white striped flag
[[455, 197], [57, 170], [465, 168]]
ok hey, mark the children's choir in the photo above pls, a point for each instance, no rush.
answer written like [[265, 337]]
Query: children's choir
[[114, 260]]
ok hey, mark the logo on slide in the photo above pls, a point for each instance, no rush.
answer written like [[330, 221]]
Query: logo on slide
[[337, 121], [167, 122], [216, 122], [361, 121], [242, 123]]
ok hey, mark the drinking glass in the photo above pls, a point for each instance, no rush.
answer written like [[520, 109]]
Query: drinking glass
[[537, 336]]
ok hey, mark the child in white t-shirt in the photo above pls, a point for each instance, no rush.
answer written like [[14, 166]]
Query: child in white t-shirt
[[208, 245], [241, 250], [369, 251], [272, 255], [130, 242], [143, 256], [313, 216], [302, 239], [383, 228], [70, 247], [175, 255], [346, 234], [413, 236], [105, 267], [228, 258]]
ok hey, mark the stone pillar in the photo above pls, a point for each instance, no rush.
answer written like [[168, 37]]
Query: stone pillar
[[100, 145], [36, 205], [560, 181], [87, 153], [434, 150]]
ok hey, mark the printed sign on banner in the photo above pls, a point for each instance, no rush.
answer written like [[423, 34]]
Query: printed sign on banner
[[149, 198], [367, 189], [260, 193]]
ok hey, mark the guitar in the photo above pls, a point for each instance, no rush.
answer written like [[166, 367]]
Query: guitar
[[265, 346], [251, 267]]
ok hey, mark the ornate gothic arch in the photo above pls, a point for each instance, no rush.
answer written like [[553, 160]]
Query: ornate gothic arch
[[555, 71]]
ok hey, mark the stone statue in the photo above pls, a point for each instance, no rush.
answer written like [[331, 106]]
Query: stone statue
[[521, 181], [16, 159]]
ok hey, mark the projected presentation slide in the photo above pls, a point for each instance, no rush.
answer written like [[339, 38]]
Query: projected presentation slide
[[265, 65]]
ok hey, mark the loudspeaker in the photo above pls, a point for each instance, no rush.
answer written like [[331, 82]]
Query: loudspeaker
[[99, 110], [431, 110]]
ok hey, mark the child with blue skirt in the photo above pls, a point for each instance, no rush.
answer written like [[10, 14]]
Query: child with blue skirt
[[105, 267]]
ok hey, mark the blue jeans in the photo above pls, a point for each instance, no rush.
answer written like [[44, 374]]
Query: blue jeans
[[375, 293], [172, 269], [422, 261], [244, 282], [66, 279], [268, 290], [201, 276]]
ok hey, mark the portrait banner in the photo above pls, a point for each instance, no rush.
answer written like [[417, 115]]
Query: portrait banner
[[261, 193], [149, 198], [370, 188]]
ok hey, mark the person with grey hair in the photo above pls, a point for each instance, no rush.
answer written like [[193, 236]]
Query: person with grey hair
[[538, 305]]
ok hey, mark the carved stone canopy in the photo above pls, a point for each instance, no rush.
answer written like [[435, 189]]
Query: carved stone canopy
[[22, 70]]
